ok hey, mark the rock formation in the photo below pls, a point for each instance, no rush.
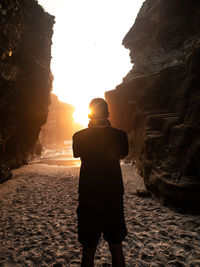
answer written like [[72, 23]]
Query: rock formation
[[25, 79], [59, 125], [158, 103]]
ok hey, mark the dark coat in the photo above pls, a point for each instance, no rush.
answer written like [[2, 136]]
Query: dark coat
[[100, 149]]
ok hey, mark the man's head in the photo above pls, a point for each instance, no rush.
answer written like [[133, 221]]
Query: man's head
[[99, 109]]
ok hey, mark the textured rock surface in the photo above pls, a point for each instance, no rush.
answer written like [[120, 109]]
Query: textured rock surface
[[25, 79], [158, 102], [59, 125]]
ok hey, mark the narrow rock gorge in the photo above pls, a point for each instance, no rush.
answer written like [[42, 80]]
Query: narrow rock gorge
[[25, 79], [158, 103]]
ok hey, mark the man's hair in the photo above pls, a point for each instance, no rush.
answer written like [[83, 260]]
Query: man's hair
[[99, 109]]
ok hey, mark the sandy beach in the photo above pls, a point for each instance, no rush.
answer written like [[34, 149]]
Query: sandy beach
[[38, 223]]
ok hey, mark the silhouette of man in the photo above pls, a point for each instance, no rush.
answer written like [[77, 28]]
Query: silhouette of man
[[100, 209]]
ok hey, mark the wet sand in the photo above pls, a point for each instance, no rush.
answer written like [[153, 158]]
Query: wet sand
[[38, 223]]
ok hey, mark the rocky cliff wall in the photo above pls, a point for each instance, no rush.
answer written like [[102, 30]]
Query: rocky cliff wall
[[158, 103], [25, 79], [59, 125]]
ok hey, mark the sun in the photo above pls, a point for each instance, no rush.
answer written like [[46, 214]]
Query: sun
[[80, 115]]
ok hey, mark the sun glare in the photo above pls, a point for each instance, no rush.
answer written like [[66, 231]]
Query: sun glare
[[87, 56], [81, 116]]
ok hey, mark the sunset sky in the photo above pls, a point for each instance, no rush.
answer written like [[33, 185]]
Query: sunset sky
[[87, 56]]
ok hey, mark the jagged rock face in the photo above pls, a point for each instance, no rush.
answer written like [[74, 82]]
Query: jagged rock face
[[158, 102], [25, 79], [59, 125]]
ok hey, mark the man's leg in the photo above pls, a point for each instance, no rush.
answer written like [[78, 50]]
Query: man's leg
[[117, 255], [88, 257]]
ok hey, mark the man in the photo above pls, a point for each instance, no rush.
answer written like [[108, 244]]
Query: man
[[100, 209]]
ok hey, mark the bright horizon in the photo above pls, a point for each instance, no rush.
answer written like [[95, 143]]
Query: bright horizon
[[87, 55]]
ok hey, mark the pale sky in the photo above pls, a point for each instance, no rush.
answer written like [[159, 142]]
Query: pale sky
[[87, 55]]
